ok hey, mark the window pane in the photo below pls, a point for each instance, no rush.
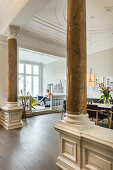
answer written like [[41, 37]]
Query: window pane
[[35, 86], [36, 70], [28, 85], [21, 68], [28, 68], [21, 84]]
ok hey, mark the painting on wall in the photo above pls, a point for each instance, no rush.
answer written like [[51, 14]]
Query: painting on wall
[[109, 82], [99, 80], [58, 88], [94, 91]]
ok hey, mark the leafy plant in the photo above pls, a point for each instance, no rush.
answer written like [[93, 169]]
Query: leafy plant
[[106, 96]]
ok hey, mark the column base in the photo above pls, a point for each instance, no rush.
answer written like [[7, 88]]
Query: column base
[[70, 130], [84, 145], [78, 122], [11, 116]]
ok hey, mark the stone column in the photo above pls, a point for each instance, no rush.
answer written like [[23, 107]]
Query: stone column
[[76, 56], [76, 121], [12, 70], [11, 113], [76, 60]]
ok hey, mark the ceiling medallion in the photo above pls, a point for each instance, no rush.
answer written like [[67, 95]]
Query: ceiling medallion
[[109, 8]]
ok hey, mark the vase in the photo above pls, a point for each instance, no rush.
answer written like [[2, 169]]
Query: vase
[[107, 101], [24, 114]]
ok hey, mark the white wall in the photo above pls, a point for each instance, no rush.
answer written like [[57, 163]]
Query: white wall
[[102, 66], [53, 73], [101, 63], [3, 70]]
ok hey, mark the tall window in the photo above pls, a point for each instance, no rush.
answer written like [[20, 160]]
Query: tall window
[[29, 79]]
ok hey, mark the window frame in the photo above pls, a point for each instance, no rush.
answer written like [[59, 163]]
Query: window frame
[[32, 75]]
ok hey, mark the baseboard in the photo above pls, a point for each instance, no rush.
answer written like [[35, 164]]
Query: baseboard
[[65, 164]]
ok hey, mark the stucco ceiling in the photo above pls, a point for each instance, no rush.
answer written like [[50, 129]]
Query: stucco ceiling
[[51, 23]]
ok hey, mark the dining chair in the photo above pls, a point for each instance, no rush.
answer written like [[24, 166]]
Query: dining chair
[[63, 114], [111, 119], [94, 113]]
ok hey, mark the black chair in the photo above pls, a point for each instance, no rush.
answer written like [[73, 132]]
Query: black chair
[[94, 113], [63, 109], [111, 119]]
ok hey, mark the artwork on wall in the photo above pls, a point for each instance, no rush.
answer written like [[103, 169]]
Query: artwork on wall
[[109, 82], [94, 91], [99, 80], [58, 88]]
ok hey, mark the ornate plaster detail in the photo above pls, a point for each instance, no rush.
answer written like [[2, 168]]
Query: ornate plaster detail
[[13, 31], [109, 9]]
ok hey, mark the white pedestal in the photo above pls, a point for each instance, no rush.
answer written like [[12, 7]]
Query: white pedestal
[[11, 116], [81, 148]]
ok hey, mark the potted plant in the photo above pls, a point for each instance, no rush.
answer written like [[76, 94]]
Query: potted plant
[[106, 96]]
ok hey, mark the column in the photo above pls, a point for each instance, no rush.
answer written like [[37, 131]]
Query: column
[[76, 66], [76, 56], [11, 118], [12, 70], [76, 60], [76, 121]]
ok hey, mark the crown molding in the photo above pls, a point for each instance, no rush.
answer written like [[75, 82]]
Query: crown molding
[[38, 35], [49, 23]]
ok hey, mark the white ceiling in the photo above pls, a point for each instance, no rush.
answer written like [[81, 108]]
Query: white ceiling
[[36, 57], [51, 23]]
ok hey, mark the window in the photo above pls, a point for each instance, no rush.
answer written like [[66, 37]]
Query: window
[[21, 83], [21, 68], [35, 85], [28, 85], [29, 79], [36, 70], [28, 68]]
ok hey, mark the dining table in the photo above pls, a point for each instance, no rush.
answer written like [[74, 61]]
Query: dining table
[[104, 106]]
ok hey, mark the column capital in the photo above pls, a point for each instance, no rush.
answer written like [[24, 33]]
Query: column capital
[[13, 31]]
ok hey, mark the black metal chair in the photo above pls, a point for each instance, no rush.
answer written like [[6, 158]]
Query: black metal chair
[[63, 110], [111, 119], [94, 113]]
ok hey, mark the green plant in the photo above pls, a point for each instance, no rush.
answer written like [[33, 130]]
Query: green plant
[[106, 96]]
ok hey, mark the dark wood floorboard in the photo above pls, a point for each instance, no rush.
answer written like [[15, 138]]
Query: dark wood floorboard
[[34, 147]]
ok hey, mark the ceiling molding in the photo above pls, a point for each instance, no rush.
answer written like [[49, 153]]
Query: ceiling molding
[[49, 23], [44, 37]]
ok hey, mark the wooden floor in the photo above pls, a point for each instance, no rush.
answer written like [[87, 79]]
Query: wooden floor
[[34, 147]]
